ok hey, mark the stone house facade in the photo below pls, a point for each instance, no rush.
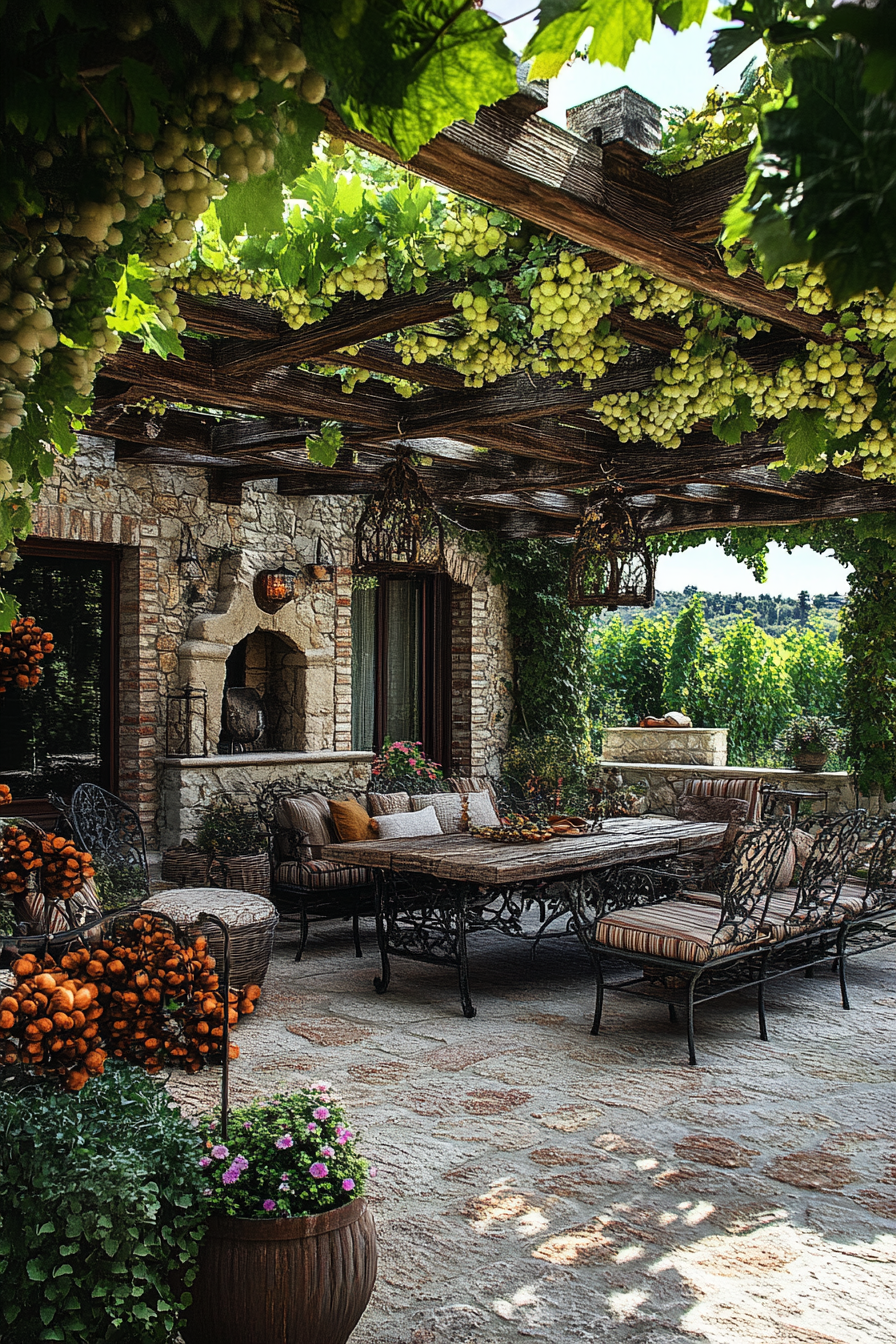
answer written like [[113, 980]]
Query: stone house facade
[[187, 567]]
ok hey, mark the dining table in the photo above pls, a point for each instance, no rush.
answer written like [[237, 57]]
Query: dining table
[[433, 891]]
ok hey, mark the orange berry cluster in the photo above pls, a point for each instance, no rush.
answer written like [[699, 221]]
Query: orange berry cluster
[[150, 1001], [22, 650], [64, 868], [20, 854], [49, 1022], [5, 795]]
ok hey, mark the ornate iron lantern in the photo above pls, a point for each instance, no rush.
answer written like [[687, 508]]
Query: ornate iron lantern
[[274, 588], [399, 528], [611, 565], [187, 722]]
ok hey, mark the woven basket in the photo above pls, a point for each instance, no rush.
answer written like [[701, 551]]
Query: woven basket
[[185, 866], [243, 872], [251, 946]]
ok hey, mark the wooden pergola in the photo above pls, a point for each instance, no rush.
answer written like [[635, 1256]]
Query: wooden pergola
[[591, 184]]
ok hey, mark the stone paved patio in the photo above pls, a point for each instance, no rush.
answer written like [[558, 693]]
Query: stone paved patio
[[537, 1183]]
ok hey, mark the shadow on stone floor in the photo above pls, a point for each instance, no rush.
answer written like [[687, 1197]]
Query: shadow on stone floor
[[535, 1182]]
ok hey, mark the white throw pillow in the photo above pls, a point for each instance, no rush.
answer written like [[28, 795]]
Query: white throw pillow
[[402, 824], [448, 809]]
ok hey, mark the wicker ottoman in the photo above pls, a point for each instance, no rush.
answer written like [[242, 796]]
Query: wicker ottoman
[[251, 919]]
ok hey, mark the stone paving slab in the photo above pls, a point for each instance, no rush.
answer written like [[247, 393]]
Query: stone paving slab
[[537, 1183]]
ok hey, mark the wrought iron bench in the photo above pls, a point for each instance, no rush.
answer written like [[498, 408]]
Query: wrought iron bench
[[647, 917]]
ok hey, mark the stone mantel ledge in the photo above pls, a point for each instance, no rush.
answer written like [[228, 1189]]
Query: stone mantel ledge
[[666, 783], [263, 758], [667, 746]]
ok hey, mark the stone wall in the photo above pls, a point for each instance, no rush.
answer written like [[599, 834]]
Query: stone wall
[[666, 782], [180, 617], [189, 785]]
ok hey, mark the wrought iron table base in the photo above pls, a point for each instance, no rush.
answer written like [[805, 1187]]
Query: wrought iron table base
[[424, 919]]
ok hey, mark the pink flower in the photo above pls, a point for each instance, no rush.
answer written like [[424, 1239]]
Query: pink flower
[[311, 1127], [348, 1183], [321, 1113], [371, 1171], [219, 1151], [269, 1205], [205, 1162], [240, 1163], [328, 1152], [285, 1141], [247, 1124], [230, 1176], [319, 1170], [322, 1087]]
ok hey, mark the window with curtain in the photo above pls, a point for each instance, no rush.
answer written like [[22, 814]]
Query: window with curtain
[[401, 651]]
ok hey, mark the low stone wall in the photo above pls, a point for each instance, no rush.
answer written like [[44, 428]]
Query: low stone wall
[[190, 783], [667, 746], [663, 780]]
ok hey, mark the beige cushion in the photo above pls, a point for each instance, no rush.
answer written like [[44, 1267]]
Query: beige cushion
[[448, 808], [236, 908], [402, 824], [384, 804], [308, 813]]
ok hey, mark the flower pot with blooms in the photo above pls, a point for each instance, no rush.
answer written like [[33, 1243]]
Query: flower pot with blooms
[[290, 1252], [405, 763], [808, 740]]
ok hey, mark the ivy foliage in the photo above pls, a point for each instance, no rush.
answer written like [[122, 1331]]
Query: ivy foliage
[[617, 26], [552, 660], [99, 1210]]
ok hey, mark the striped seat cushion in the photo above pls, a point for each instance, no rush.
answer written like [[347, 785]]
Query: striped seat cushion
[[675, 930], [729, 787], [782, 919], [320, 875]]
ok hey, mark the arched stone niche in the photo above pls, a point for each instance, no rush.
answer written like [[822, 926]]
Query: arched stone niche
[[304, 665]]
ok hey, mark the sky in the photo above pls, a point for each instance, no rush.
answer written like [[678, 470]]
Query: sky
[[673, 70]]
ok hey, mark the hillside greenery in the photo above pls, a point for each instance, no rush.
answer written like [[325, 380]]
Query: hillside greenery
[[775, 615]]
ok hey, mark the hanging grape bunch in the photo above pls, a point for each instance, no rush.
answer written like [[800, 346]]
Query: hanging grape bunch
[[22, 650]]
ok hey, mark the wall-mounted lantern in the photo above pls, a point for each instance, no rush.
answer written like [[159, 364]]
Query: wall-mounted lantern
[[273, 588], [323, 566]]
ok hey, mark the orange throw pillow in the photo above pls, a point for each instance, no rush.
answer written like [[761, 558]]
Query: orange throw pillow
[[352, 822]]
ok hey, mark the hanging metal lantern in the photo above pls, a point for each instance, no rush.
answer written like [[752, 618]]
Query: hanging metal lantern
[[611, 565], [399, 528], [274, 588]]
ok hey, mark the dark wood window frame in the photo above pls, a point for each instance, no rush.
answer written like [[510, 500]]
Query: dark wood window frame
[[51, 549]]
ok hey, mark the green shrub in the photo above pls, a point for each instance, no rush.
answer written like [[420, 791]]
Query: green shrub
[[99, 1210], [118, 886], [230, 828]]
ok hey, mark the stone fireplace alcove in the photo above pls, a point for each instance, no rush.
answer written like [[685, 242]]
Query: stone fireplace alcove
[[287, 656]]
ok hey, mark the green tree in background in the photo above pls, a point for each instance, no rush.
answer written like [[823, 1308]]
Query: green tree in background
[[689, 651]]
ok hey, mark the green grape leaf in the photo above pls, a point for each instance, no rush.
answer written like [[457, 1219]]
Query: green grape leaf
[[254, 208], [405, 72], [735, 421], [145, 90], [805, 435], [618, 25], [294, 150], [9, 610], [324, 448], [726, 44]]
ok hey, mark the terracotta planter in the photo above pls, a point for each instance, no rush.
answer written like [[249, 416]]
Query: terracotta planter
[[810, 762], [283, 1280]]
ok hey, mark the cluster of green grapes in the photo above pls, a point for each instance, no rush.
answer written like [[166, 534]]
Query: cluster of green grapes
[[416, 346], [879, 316], [366, 277], [154, 189], [568, 304], [812, 294], [464, 232], [479, 353], [831, 379], [690, 388]]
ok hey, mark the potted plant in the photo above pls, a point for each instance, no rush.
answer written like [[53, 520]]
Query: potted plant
[[237, 845], [405, 763], [285, 1195], [808, 740]]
